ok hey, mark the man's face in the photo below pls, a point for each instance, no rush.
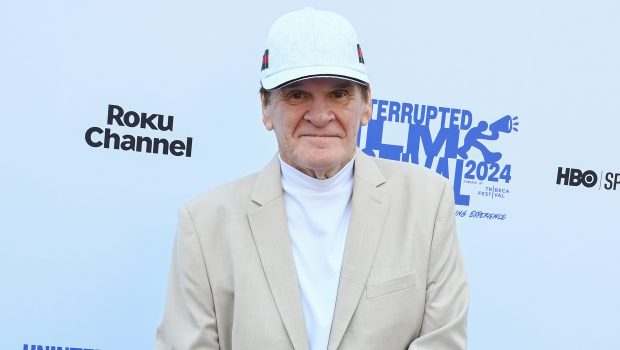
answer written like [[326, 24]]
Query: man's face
[[316, 123]]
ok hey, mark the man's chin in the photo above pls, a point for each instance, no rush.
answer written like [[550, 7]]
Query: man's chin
[[322, 161]]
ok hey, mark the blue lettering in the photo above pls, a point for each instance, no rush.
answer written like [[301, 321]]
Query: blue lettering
[[422, 115], [406, 112], [394, 114], [442, 167], [437, 146], [418, 118], [431, 113], [448, 137], [381, 109], [454, 116], [459, 198], [466, 120], [443, 111]]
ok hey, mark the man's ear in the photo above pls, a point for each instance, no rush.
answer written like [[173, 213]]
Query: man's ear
[[266, 119], [367, 113]]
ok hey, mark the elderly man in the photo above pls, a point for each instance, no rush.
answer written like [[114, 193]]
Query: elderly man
[[326, 247]]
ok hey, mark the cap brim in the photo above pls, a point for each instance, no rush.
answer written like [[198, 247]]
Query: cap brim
[[283, 78]]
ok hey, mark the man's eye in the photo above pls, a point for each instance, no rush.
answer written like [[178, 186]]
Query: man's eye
[[340, 93], [295, 95]]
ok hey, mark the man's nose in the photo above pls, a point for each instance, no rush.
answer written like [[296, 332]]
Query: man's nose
[[319, 113]]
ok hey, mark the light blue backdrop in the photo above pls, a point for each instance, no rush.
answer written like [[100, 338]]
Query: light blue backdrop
[[87, 232]]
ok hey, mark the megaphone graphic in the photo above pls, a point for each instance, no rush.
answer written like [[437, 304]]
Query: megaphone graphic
[[505, 124]]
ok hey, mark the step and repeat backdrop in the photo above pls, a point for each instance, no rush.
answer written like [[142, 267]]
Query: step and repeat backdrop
[[114, 113]]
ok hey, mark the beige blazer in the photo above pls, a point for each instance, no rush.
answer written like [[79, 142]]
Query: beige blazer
[[233, 283]]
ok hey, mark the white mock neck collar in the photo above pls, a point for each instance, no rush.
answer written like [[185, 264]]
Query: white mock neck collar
[[303, 182]]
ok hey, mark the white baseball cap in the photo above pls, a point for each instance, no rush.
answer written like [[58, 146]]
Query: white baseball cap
[[311, 43]]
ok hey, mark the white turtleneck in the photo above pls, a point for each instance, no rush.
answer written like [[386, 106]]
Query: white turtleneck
[[318, 213]]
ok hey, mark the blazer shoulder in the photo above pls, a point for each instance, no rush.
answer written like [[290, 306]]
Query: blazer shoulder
[[232, 196], [396, 171], [415, 187]]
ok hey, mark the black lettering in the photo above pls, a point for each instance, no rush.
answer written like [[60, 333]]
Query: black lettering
[[157, 142], [168, 126], [589, 178], [608, 181], [562, 175], [147, 140], [144, 120], [188, 149], [89, 136], [129, 143], [115, 117], [575, 177], [612, 181], [110, 135], [134, 121], [177, 147]]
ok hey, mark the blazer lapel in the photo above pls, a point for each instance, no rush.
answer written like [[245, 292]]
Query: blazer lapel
[[369, 208], [270, 231]]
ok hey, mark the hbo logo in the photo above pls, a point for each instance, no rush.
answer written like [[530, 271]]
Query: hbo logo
[[576, 177]]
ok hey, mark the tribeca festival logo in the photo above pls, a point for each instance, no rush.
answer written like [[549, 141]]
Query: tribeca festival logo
[[98, 137], [433, 139], [573, 177]]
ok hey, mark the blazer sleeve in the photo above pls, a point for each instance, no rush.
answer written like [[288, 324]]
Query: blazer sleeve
[[447, 295], [189, 321]]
